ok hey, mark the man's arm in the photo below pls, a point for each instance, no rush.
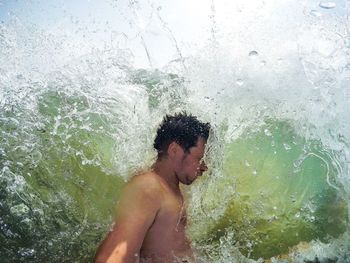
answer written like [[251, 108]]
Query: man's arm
[[136, 212]]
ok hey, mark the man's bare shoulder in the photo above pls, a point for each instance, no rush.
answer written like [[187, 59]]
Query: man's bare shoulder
[[147, 179], [143, 192], [146, 183]]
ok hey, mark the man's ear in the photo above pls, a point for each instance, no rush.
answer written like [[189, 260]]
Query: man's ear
[[173, 150]]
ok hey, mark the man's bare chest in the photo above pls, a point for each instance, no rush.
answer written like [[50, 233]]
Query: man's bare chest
[[167, 235], [171, 218], [172, 212]]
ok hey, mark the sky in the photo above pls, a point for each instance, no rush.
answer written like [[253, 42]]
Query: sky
[[131, 24], [155, 31]]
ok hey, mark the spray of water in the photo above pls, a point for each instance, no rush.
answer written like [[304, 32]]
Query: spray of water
[[77, 119]]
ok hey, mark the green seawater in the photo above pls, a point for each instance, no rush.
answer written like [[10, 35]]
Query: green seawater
[[280, 190], [57, 197], [59, 180]]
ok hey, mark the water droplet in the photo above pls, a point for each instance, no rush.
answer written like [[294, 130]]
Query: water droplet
[[240, 82], [255, 172], [297, 215], [315, 13], [253, 54], [267, 132], [246, 163], [2, 153], [19, 210], [207, 99], [287, 146], [263, 63], [26, 252], [298, 162], [327, 5]]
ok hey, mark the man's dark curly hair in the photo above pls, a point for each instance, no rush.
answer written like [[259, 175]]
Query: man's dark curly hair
[[185, 129]]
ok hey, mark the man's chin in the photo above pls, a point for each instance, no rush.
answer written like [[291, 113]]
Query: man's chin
[[190, 181]]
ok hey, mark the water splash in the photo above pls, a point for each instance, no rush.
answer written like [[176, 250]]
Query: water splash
[[327, 5], [77, 119]]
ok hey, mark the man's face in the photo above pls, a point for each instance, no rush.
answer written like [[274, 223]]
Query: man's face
[[191, 164]]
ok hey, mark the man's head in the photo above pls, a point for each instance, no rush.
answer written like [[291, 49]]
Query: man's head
[[183, 138], [182, 128]]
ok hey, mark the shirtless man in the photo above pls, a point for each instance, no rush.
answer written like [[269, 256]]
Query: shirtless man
[[151, 217]]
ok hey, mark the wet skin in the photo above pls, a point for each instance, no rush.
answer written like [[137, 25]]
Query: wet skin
[[151, 216]]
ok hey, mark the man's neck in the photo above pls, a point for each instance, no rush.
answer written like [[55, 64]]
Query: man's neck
[[164, 168]]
